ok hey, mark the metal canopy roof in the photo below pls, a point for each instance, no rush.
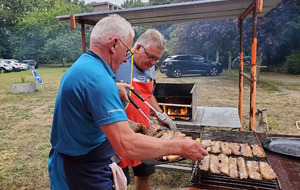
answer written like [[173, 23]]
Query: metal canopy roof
[[202, 10]]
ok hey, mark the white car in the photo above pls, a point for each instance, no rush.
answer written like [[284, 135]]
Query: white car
[[24, 66], [5, 67], [14, 63]]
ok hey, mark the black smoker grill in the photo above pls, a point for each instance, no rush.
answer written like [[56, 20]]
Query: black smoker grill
[[204, 180], [179, 101]]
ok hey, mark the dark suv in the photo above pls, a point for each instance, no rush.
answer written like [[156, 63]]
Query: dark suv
[[178, 65], [31, 64]]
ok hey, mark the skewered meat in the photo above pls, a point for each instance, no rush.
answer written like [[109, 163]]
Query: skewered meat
[[246, 150], [253, 170], [225, 148], [153, 129], [233, 172], [235, 148], [207, 144], [224, 164], [242, 168], [204, 164], [266, 171], [214, 164], [258, 151], [215, 147]]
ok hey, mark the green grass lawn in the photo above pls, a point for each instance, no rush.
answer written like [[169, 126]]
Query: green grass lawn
[[25, 120]]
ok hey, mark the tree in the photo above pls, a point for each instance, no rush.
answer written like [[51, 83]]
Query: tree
[[10, 13], [40, 29], [133, 3]]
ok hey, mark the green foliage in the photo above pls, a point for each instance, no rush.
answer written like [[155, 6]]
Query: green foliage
[[161, 2], [273, 123], [22, 79], [292, 63], [133, 3], [42, 37]]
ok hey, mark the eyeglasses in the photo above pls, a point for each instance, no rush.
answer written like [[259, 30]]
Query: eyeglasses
[[150, 57], [129, 52]]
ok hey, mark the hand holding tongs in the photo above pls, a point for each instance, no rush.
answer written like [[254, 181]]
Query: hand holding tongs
[[160, 116]]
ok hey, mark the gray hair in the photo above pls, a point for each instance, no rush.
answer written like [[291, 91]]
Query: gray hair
[[111, 26], [152, 36]]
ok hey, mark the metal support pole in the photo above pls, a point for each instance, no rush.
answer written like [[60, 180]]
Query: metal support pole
[[240, 75], [253, 70]]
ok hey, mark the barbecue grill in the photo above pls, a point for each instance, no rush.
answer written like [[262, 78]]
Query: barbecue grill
[[179, 101], [203, 179]]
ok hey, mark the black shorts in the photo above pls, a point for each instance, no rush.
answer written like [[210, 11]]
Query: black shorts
[[141, 170]]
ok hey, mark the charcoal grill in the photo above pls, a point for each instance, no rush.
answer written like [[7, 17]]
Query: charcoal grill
[[203, 179], [178, 100]]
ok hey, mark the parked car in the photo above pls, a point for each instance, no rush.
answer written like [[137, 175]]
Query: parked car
[[5, 67], [178, 65], [24, 66], [32, 64], [14, 63], [236, 62], [163, 66]]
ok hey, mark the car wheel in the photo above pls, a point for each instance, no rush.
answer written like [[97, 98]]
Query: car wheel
[[213, 71], [176, 73], [2, 70]]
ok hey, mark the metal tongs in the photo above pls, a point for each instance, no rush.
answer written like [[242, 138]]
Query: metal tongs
[[198, 162], [140, 110], [160, 116]]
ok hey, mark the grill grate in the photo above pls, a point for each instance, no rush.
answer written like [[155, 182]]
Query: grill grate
[[203, 179]]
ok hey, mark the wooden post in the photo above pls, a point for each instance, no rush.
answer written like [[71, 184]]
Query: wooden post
[[73, 23], [217, 56], [83, 38]]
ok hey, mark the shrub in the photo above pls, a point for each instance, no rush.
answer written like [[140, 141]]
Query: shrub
[[292, 63]]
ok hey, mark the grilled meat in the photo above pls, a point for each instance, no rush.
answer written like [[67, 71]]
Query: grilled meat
[[253, 170], [223, 164], [242, 168], [216, 147], [204, 164], [246, 150], [266, 171], [171, 158], [179, 135], [214, 164], [235, 148], [167, 135], [233, 172], [258, 151], [225, 148], [160, 133], [153, 130], [207, 144]]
